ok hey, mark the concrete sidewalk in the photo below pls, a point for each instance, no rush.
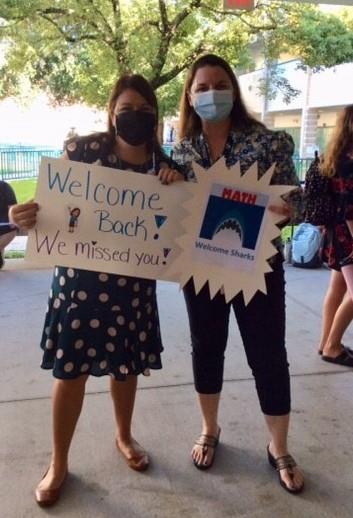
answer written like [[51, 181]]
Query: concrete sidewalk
[[18, 244], [240, 484]]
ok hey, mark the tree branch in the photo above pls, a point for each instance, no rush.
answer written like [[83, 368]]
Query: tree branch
[[240, 16], [164, 42], [162, 79], [102, 17], [167, 30], [69, 38], [164, 16], [119, 44], [114, 6], [180, 17]]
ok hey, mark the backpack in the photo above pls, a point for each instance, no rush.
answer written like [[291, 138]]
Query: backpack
[[306, 246], [320, 208]]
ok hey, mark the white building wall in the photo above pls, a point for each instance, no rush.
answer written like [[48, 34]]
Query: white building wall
[[326, 118], [292, 120], [249, 86], [332, 87], [322, 95], [329, 88]]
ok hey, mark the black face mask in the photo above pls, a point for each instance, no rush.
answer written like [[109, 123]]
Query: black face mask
[[135, 127]]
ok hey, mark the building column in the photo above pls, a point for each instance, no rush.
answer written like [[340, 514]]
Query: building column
[[308, 133], [309, 123], [268, 119]]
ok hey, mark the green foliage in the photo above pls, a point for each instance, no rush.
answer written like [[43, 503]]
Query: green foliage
[[276, 83], [287, 232], [24, 189], [319, 39], [75, 49], [14, 254]]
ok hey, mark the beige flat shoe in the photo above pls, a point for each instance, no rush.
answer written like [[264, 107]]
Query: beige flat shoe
[[138, 462], [48, 497]]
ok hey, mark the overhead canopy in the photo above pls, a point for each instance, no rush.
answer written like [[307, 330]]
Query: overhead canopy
[[249, 4], [238, 4], [333, 2]]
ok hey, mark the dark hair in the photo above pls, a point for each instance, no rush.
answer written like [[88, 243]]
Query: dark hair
[[190, 122], [141, 85], [75, 209]]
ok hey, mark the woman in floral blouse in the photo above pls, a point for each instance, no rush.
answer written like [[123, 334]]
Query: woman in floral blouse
[[214, 122]]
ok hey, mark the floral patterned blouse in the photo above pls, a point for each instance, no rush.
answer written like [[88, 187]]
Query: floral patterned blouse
[[255, 144], [263, 145]]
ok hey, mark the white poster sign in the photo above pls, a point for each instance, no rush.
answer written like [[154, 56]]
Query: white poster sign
[[103, 219]]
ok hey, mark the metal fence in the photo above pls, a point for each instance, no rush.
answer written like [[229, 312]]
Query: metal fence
[[301, 167], [17, 163]]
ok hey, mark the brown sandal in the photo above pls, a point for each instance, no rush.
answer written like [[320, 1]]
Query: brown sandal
[[285, 462], [207, 441]]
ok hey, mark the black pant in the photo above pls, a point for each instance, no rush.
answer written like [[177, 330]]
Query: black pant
[[262, 327]]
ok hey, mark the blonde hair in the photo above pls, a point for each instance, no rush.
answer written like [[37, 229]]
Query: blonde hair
[[341, 142]]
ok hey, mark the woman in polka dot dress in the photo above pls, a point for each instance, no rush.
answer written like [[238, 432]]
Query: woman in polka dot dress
[[99, 323]]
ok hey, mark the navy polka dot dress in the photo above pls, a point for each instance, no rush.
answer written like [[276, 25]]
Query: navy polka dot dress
[[99, 323]]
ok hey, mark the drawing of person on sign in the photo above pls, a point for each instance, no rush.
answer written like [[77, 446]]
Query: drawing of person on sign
[[73, 221]]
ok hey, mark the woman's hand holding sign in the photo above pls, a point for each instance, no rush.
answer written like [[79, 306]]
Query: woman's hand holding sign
[[24, 215], [166, 175], [284, 210]]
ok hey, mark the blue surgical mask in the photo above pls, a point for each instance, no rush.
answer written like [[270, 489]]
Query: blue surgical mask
[[213, 105]]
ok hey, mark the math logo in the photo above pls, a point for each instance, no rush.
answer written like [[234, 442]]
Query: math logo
[[233, 218]]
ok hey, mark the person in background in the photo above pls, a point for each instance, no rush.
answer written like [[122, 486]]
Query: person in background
[[337, 314], [337, 311], [337, 164], [214, 123], [98, 323], [71, 133], [7, 231]]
